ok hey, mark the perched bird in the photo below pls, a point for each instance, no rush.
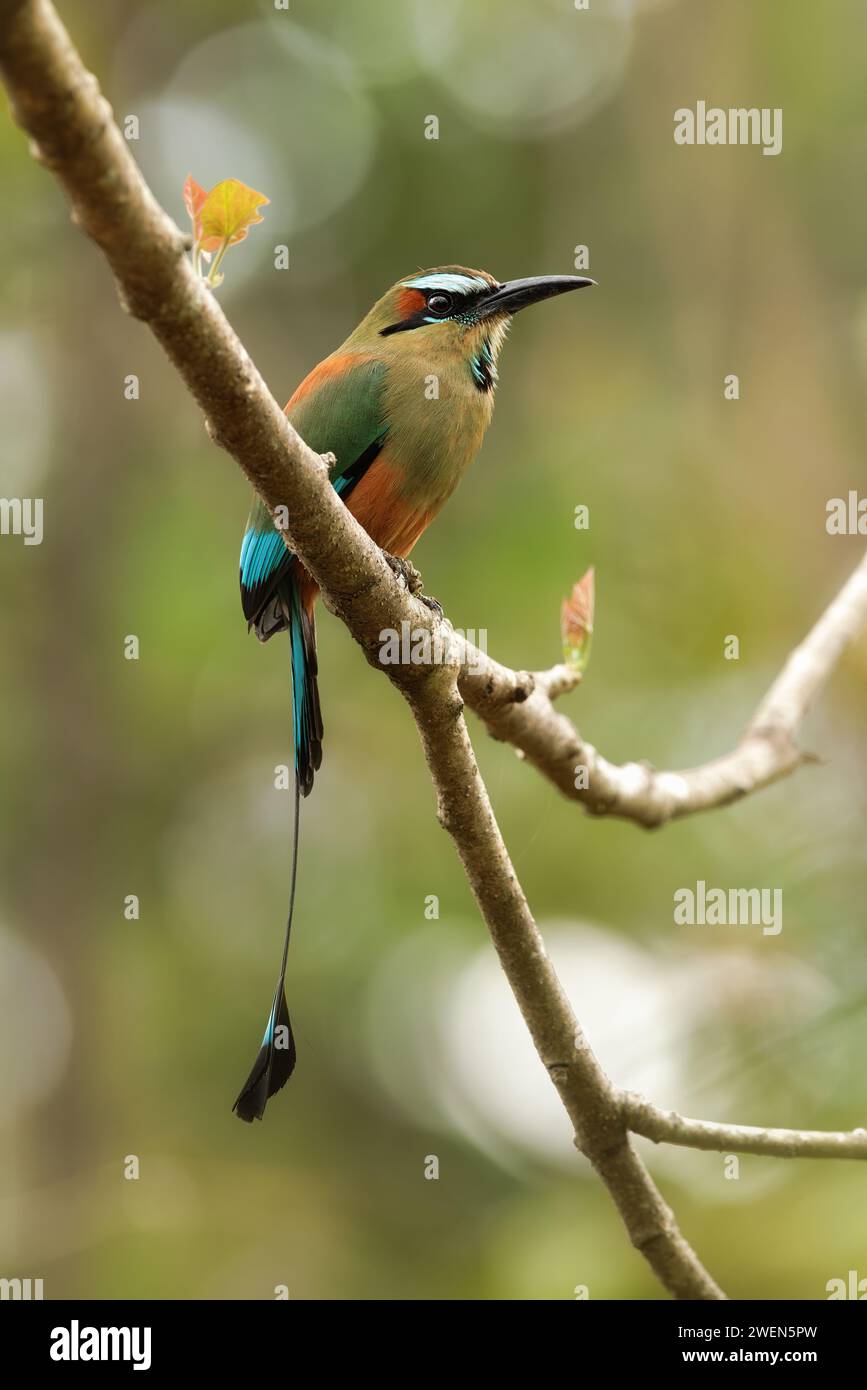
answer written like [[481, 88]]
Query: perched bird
[[403, 406]]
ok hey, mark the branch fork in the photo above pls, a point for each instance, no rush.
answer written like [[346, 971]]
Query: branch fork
[[70, 126]]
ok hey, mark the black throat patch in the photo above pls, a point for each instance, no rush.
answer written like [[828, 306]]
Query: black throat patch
[[483, 367]]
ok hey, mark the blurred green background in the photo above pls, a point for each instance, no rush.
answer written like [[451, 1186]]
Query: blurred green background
[[155, 777]]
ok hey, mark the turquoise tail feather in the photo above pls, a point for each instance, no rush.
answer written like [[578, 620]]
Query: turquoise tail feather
[[271, 599], [307, 714]]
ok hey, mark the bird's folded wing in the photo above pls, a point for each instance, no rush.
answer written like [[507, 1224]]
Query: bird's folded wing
[[337, 409]]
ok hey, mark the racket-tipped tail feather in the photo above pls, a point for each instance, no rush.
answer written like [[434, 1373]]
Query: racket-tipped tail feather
[[273, 1066]]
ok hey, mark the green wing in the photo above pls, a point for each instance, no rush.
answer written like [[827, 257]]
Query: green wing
[[339, 413]]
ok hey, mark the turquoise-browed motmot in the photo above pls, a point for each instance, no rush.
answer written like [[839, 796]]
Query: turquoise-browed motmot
[[400, 450]]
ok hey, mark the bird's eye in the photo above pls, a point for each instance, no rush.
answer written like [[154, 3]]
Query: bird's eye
[[439, 304]]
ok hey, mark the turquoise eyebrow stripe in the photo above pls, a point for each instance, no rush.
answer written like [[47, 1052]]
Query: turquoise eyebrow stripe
[[459, 284]]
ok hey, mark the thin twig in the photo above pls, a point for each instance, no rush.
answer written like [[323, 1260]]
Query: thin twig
[[667, 1127], [517, 707]]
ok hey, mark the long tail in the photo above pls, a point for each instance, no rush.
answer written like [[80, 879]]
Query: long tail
[[276, 1060]]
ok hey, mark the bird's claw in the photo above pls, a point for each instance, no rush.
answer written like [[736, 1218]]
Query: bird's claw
[[409, 577], [406, 573]]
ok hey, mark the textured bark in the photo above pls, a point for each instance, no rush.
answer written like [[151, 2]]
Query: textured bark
[[667, 1127], [72, 132], [518, 708]]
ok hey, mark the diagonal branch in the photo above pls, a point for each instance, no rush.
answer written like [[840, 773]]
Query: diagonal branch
[[601, 1134], [518, 708], [73, 133]]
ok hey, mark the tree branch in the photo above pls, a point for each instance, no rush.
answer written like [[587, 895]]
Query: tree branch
[[518, 708], [464, 810], [73, 133], [667, 1127]]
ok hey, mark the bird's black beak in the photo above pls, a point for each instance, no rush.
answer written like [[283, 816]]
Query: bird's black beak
[[517, 294]]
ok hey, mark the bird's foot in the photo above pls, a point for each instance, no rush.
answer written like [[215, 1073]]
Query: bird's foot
[[411, 580], [433, 604], [407, 573]]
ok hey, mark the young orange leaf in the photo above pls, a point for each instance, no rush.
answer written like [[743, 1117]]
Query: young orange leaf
[[194, 196], [576, 622], [227, 213]]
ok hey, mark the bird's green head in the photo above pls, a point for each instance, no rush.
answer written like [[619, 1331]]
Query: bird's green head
[[455, 295], [454, 309]]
